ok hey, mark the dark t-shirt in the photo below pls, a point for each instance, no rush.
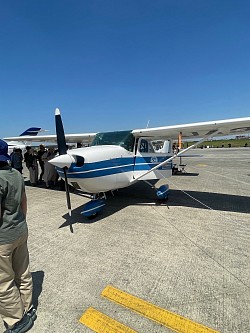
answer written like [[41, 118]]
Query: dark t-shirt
[[12, 220]]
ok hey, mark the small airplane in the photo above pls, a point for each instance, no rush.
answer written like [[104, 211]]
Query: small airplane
[[31, 131], [114, 160]]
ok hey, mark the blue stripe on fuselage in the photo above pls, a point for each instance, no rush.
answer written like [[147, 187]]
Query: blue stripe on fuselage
[[114, 166]]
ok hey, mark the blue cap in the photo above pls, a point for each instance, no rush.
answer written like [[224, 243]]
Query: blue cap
[[4, 157]]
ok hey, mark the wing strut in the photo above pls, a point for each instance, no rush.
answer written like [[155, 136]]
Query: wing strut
[[211, 134]]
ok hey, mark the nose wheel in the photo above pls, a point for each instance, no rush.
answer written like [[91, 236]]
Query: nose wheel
[[92, 208]]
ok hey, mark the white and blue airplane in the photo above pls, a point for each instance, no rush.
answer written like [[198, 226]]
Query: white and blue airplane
[[114, 160], [21, 143]]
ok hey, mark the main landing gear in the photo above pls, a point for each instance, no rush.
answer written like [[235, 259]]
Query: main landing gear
[[162, 192]]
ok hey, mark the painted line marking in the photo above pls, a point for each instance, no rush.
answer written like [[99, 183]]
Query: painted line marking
[[164, 317], [100, 323]]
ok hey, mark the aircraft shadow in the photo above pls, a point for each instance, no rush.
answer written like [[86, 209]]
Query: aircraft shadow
[[142, 194], [37, 278], [186, 174], [210, 200]]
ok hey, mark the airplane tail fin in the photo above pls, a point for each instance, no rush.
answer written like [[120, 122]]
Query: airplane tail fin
[[31, 131]]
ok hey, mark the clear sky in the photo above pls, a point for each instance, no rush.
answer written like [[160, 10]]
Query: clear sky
[[115, 64]]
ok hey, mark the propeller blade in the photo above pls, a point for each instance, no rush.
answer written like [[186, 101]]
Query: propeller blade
[[67, 195], [61, 142], [67, 190], [62, 149]]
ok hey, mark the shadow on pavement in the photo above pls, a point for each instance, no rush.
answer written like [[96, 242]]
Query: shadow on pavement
[[142, 194], [37, 278]]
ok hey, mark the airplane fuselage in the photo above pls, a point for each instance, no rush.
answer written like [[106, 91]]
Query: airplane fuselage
[[109, 167]]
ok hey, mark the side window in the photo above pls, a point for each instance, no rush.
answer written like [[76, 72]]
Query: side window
[[143, 146], [150, 148], [146, 146]]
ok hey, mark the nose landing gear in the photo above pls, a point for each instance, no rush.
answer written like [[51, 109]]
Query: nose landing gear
[[95, 206]]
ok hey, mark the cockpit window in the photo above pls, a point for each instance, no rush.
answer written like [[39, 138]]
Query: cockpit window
[[124, 139]]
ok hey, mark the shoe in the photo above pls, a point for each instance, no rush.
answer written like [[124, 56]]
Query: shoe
[[21, 326], [32, 313]]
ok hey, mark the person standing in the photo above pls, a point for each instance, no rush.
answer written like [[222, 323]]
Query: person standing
[[50, 173], [17, 159], [26, 154], [16, 285], [40, 153], [32, 165]]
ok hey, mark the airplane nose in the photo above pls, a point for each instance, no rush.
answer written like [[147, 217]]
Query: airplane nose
[[63, 161]]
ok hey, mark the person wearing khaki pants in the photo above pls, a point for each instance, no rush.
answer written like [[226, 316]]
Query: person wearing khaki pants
[[16, 281], [16, 285]]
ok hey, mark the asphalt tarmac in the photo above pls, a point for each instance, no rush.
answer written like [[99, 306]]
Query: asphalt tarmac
[[189, 256]]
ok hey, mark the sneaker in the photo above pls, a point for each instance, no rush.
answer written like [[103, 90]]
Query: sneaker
[[21, 326], [32, 313]]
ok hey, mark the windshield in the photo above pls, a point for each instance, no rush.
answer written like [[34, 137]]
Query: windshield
[[124, 139]]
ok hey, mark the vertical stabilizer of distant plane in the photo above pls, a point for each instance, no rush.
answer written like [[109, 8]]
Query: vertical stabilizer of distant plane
[[31, 131]]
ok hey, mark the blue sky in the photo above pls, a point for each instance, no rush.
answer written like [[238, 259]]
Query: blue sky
[[115, 64]]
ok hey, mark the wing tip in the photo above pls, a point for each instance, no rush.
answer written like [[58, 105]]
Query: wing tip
[[57, 112]]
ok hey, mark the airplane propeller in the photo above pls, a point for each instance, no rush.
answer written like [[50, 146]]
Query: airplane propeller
[[61, 142], [62, 149]]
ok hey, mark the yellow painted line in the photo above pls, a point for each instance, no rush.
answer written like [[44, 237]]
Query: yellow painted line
[[164, 317], [100, 323], [201, 165]]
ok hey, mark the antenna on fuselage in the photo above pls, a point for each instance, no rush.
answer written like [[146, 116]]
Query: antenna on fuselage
[[148, 123]]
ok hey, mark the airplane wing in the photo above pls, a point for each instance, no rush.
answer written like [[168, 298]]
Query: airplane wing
[[189, 131], [202, 131], [85, 138], [197, 130]]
